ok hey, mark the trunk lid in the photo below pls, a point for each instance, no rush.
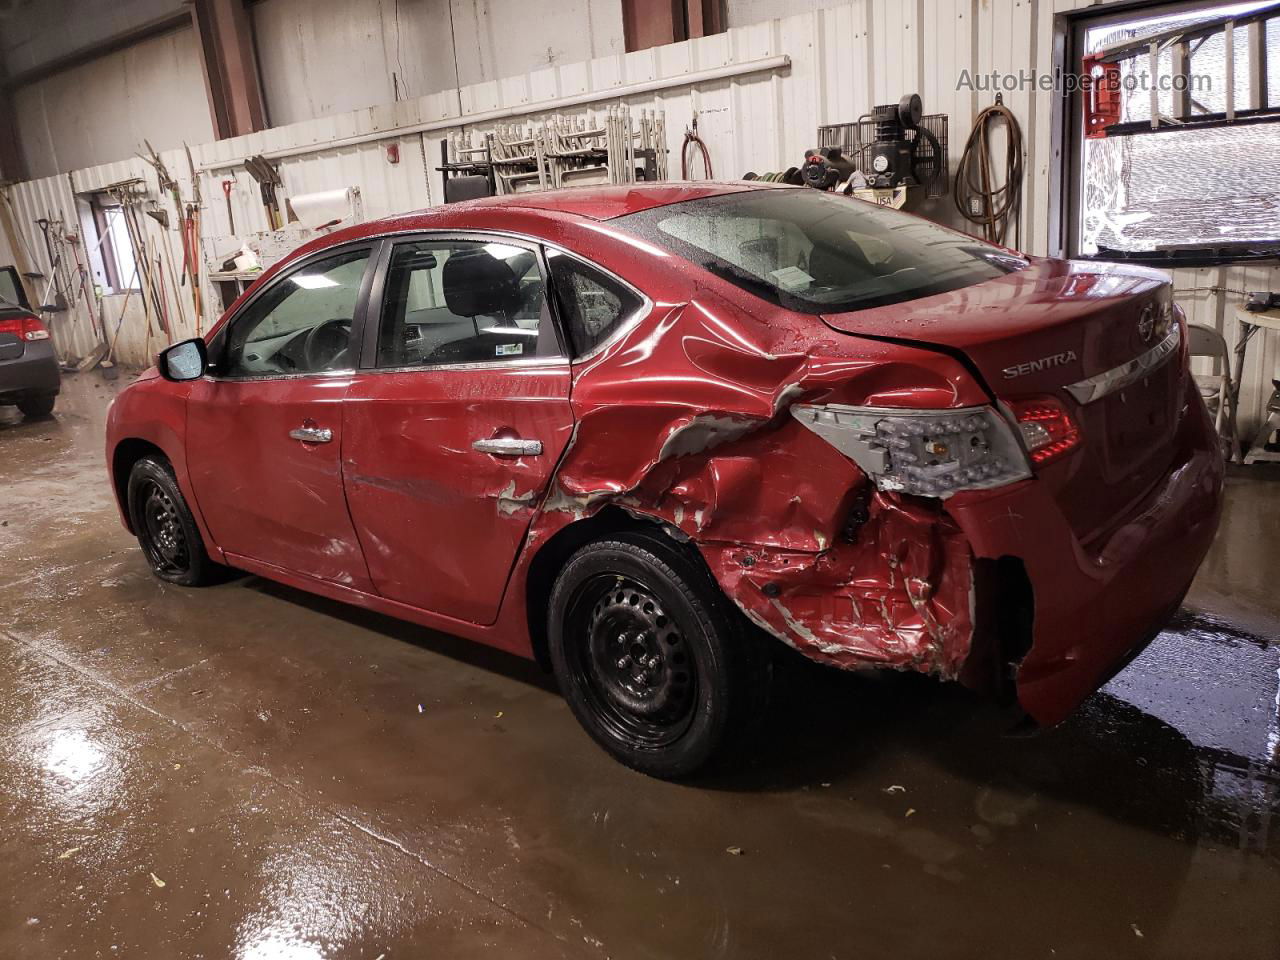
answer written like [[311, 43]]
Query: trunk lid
[[1055, 324]]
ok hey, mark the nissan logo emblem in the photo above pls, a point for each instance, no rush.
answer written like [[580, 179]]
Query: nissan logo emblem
[[1147, 323]]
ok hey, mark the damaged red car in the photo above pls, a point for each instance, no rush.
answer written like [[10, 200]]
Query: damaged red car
[[644, 433]]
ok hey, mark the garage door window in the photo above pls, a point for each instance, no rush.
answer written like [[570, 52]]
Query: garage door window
[[463, 301], [1177, 160]]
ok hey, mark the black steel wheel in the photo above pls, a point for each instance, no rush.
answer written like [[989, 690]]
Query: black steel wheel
[[634, 665], [653, 660], [162, 536], [164, 526]]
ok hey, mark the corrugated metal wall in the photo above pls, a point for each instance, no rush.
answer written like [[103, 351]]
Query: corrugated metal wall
[[843, 60]]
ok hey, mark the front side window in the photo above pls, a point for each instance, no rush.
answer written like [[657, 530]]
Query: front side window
[[463, 301], [302, 324], [817, 252], [591, 302]]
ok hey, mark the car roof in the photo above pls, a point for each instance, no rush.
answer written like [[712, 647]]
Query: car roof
[[607, 202], [581, 203], [587, 202]]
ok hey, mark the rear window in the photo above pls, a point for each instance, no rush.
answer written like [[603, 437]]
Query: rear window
[[818, 252], [11, 295]]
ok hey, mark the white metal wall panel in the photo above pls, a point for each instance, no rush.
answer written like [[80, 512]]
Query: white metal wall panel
[[844, 60], [325, 57]]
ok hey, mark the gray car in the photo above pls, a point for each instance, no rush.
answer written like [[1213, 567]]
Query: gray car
[[29, 376]]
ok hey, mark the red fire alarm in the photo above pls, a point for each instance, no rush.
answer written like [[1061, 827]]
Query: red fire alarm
[[393, 153]]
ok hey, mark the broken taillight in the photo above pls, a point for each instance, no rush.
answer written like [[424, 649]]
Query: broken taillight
[[929, 453], [24, 327], [1047, 429]]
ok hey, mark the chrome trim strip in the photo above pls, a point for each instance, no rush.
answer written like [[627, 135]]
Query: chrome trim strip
[[259, 377], [523, 363], [1117, 378]]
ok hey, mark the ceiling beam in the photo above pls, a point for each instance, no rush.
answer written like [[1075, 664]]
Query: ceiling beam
[[230, 66]]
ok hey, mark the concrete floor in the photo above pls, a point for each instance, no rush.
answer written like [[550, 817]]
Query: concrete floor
[[248, 771]]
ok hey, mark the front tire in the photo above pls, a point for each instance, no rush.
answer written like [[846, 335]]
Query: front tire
[[164, 526], [655, 663]]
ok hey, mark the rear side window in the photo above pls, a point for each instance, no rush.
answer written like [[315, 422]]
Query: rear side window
[[592, 304], [817, 252], [463, 301]]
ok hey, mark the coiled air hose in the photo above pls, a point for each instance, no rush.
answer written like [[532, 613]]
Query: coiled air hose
[[978, 200], [691, 139]]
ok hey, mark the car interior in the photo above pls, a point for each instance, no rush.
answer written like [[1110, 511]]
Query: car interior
[[473, 303]]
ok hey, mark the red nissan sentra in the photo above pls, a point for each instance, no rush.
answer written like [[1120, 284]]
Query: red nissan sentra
[[641, 433]]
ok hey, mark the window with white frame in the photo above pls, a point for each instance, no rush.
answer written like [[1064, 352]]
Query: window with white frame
[[1178, 153]]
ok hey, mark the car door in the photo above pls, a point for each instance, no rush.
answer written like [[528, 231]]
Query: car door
[[456, 421], [265, 429]]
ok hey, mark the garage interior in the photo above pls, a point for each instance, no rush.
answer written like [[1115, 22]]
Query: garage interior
[[252, 771]]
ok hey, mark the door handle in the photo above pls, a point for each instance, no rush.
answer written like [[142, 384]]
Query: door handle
[[509, 447], [312, 434]]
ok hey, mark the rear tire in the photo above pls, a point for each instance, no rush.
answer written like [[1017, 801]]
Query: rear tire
[[165, 528], [654, 661], [37, 408]]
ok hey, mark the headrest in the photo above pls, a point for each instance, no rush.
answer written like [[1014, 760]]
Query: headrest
[[476, 282]]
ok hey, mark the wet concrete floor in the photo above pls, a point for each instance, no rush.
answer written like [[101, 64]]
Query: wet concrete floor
[[251, 772]]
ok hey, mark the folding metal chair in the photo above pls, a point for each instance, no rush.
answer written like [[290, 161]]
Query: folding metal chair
[[1215, 388]]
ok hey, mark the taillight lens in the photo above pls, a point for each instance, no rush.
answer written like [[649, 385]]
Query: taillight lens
[[33, 329], [1047, 429], [929, 453], [26, 327]]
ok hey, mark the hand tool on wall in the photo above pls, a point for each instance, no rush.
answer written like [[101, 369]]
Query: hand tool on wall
[[166, 182], [162, 217], [108, 366], [60, 303], [126, 193], [65, 272], [91, 302], [268, 179], [231, 217], [193, 241], [169, 183]]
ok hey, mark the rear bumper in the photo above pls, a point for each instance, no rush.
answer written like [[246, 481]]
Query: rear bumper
[[1096, 608], [34, 374]]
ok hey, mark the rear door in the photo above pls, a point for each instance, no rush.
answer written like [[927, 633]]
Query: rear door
[[264, 433], [455, 423]]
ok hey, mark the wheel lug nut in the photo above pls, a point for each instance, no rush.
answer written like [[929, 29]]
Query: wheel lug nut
[[624, 662]]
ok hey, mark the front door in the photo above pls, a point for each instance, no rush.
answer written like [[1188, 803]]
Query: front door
[[454, 429], [265, 432]]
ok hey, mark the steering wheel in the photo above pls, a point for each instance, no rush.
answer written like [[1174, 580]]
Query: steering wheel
[[325, 342]]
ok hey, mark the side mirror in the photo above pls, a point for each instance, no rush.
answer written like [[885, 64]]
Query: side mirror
[[183, 361]]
